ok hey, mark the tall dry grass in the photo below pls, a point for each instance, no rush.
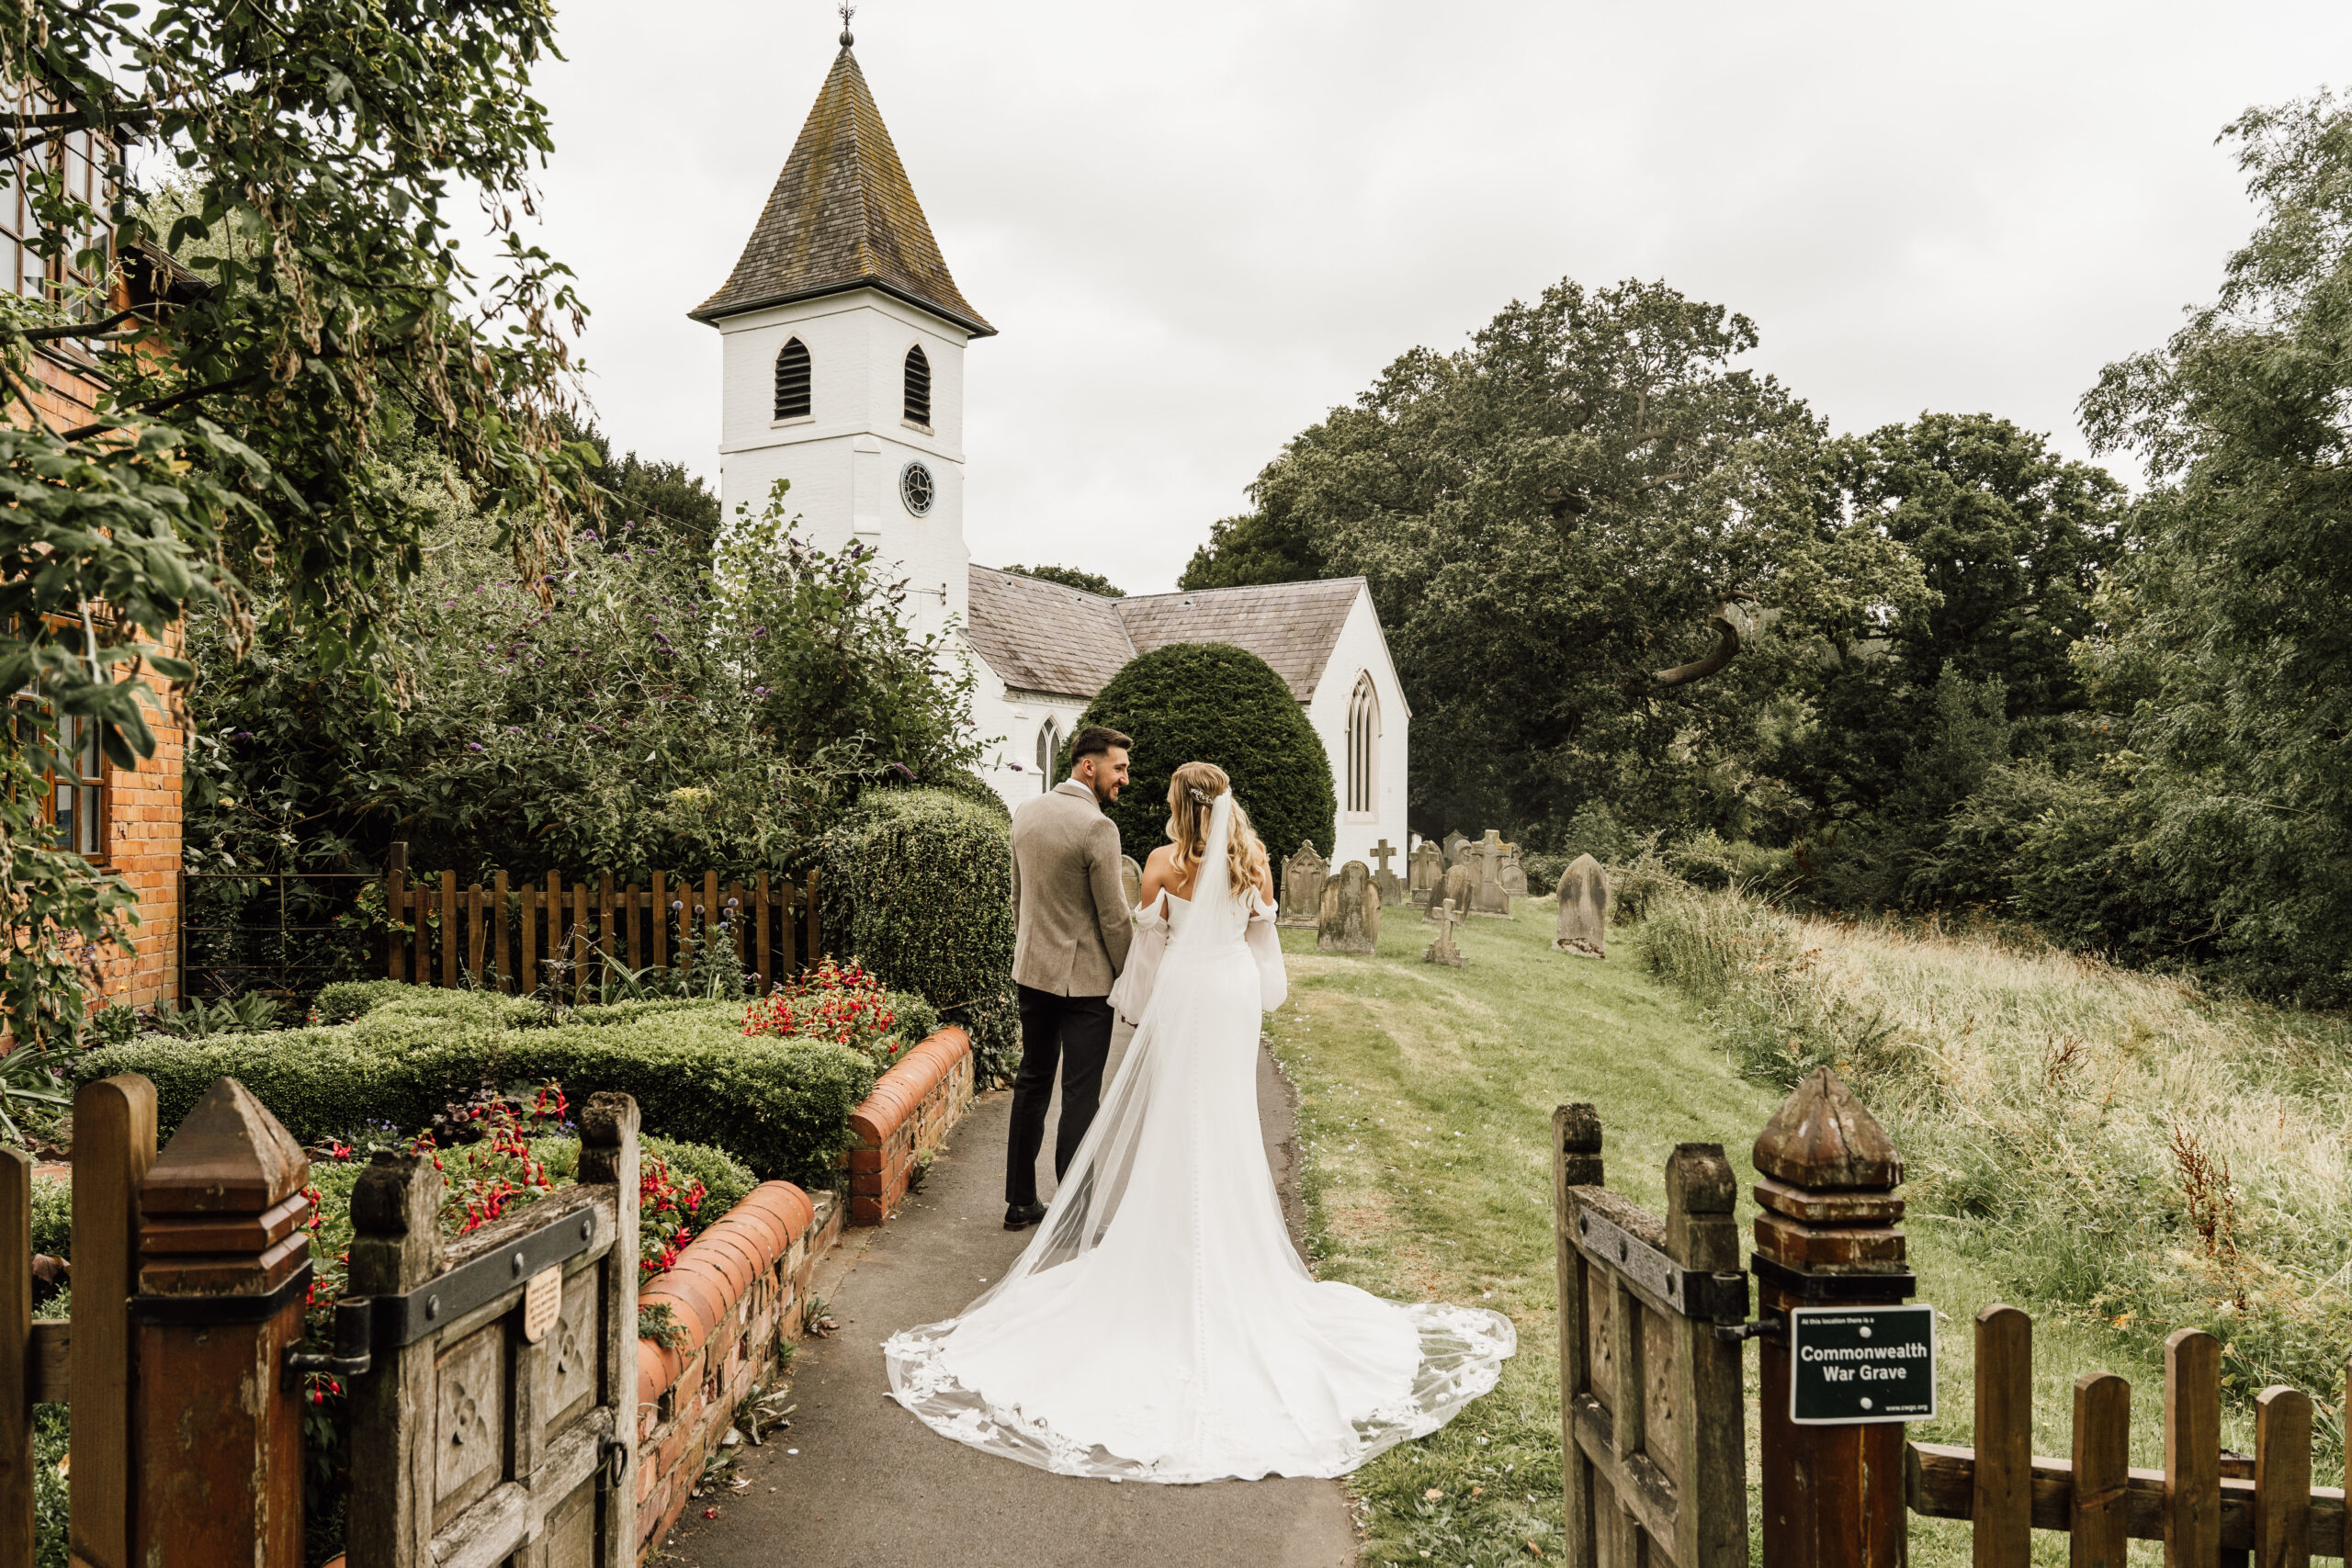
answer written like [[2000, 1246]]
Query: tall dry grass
[[2109, 1143]]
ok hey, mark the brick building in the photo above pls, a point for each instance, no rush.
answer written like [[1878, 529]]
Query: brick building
[[124, 820]]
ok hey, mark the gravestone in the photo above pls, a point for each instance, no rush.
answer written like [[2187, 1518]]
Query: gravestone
[[1485, 863], [1350, 918], [1458, 885], [1130, 878], [1425, 870], [1444, 951], [1514, 873], [1392, 890], [1454, 844], [1584, 910], [1303, 877]]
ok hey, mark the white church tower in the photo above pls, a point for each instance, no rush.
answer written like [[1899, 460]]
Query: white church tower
[[844, 338]]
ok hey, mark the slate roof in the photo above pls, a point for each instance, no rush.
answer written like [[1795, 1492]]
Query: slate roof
[[1042, 637], [843, 216]]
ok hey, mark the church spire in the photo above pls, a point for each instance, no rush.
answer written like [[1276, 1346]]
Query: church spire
[[843, 216]]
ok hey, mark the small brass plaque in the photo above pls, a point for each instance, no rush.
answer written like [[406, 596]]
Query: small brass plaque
[[542, 1303]]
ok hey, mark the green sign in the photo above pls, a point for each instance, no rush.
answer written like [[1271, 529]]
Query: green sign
[[1852, 1365]]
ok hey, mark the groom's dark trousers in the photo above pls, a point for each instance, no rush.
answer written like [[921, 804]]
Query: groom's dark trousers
[[1075, 1034]]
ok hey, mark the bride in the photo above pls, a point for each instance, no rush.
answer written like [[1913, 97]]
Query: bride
[[1159, 1326]]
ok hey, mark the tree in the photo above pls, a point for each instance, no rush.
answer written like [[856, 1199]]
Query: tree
[[235, 434], [1550, 515], [1210, 702], [1070, 577], [2226, 655]]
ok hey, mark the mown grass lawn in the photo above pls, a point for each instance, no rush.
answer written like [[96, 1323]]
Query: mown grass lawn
[[1426, 1098]]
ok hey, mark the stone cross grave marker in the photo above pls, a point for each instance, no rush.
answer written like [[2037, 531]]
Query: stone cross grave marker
[[1514, 872], [1486, 894], [1350, 918], [1583, 927], [1444, 951], [1303, 877], [1428, 870], [1392, 890]]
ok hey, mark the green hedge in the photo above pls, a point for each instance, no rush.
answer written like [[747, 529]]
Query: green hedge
[[1210, 702], [781, 1106], [918, 886]]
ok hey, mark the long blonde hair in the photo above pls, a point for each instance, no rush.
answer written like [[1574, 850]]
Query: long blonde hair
[[1190, 792]]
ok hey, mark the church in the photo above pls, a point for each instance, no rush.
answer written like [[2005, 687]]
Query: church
[[843, 337]]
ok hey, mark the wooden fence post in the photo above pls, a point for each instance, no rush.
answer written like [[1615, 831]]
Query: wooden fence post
[[224, 1274], [395, 1248], [114, 1147], [15, 1340], [395, 899], [1575, 1162], [1711, 1519], [2002, 1496], [2102, 1509], [2192, 1500], [608, 1156], [1833, 1496], [2282, 1479]]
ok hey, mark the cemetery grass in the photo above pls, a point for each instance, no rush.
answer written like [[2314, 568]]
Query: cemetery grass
[[1425, 1104]]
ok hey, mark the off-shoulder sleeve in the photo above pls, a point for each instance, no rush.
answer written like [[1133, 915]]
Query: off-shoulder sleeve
[[1133, 991], [1266, 947]]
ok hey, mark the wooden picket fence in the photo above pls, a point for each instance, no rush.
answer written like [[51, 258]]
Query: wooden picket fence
[[577, 938], [2206, 1505]]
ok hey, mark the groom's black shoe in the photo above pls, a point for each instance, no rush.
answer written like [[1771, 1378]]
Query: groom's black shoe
[[1021, 1216]]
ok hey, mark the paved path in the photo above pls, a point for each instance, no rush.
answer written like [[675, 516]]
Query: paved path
[[870, 1484]]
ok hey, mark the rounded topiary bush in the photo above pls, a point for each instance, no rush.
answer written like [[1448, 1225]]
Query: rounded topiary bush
[[1210, 702]]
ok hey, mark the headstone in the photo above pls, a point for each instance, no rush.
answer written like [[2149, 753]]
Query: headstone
[[1584, 909], [1485, 866], [1426, 869], [1514, 873], [1303, 877], [1454, 844], [1459, 883], [1130, 878], [1350, 920], [1444, 951], [1392, 890]]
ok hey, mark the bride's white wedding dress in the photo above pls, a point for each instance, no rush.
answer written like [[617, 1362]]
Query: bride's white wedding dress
[[1159, 1326]]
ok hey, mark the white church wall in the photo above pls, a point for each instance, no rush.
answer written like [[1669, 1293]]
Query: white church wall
[[1359, 650], [1007, 722], [845, 460]]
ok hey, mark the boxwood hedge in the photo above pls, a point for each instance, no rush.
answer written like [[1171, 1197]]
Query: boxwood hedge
[[918, 886], [781, 1106]]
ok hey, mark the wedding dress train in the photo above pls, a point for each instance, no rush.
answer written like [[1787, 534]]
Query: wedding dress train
[[1159, 1326]]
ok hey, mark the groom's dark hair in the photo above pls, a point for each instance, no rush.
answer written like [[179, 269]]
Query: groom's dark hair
[[1094, 740]]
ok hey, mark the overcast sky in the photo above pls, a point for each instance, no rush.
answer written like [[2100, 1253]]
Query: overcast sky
[[1198, 227]]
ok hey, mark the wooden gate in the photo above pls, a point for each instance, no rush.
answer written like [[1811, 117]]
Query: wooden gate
[[1651, 1405], [494, 1389]]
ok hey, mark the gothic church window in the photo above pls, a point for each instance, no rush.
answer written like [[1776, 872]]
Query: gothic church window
[[792, 380], [1363, 731], [1049, 742], [918, 386]]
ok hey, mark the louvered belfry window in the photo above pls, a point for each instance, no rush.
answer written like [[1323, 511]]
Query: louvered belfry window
[[792, 380], [918, 386]]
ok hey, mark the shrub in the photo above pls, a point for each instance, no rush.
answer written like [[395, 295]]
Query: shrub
[[53, 1217], [918, 886], [348, 1000], [781, 1106], [1210, 702]]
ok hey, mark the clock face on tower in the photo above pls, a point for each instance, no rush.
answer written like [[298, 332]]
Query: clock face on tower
[[916, 489]]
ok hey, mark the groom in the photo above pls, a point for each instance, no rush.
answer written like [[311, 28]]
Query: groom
[[1070, 911]]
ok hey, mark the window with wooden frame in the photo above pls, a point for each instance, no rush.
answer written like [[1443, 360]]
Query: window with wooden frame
[[20, 270], [82, 271], [792, 380], [77, 790], [917, 387], [1364, 737]]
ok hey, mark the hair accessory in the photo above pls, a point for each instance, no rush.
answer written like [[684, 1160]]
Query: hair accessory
[[1200, 795]]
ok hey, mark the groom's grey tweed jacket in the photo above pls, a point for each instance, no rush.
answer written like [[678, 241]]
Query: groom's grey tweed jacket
[[1070, 908]]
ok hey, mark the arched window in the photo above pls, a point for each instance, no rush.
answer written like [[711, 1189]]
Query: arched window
[[1364, 736], [792, 380], [918, 386], [1049, 745]]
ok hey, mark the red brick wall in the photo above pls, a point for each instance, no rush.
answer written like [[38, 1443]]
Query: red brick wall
[[906, 1117]]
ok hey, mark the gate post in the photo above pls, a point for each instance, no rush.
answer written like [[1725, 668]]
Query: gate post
[[1833, 1496], [608, 1155], [224, 1275], [395, 1247], [1575, 1162], [1710, 1452]]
